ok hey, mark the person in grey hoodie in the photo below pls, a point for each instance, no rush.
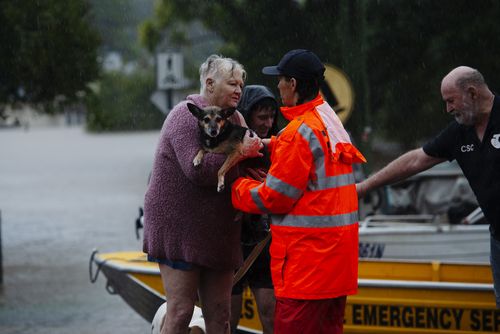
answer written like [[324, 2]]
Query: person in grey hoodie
[[189, 227], [260, 109]]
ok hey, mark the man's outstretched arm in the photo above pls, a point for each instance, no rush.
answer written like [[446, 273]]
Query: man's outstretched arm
[[408, 164]]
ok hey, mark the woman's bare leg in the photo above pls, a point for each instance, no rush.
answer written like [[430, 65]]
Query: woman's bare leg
[[181, 289], [215, 295]]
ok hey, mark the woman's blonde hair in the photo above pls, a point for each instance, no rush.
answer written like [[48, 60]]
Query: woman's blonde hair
[[217, 67]]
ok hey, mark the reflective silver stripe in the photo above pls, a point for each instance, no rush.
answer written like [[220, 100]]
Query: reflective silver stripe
[[256, 199], [336, 181], [317, 152], [282, 187], [315, 221], [308, 134], [323, 182]]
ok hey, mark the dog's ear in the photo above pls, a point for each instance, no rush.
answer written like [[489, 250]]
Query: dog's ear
[[228, 112], [197, 112]]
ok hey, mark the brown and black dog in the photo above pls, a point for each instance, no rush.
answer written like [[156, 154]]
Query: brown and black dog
[[219, 135]]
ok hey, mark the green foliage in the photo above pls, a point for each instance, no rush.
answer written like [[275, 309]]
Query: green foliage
[[117, 22], [47, 49], [395, 52], [412, 46], [257, 32], [121, 103], [149, 35]]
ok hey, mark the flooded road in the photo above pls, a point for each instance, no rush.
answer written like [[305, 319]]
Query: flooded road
[[64, 192]]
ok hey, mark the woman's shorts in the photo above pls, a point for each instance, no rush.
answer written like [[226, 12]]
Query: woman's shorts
[[180, 265]]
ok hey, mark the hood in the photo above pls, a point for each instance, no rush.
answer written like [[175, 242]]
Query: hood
[[250, 96]]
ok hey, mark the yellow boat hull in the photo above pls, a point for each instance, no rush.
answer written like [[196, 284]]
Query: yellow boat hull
[[393, 297]]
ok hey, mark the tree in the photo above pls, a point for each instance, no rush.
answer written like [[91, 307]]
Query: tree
[[47, 50], [412, 46], [395, 52], [255, 32], [117, 22], [121, 103]]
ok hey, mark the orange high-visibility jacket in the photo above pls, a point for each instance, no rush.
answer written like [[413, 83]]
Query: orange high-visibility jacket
[[311, 195]]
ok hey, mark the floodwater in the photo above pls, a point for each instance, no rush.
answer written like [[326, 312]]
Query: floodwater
[[64, 192]]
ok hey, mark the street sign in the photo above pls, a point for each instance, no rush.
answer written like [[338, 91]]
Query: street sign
[[160, 100], [170, 71], [337, 90]]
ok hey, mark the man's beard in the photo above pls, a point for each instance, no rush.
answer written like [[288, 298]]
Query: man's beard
[[466, 116]]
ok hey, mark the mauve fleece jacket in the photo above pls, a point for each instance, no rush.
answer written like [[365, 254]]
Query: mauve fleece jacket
[[185, 218]]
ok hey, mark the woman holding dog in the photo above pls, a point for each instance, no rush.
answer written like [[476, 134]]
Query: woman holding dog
[[189, 227]]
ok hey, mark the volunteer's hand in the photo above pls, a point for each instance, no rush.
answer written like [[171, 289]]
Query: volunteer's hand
[[252, 145], [258, 174], [361, 189]]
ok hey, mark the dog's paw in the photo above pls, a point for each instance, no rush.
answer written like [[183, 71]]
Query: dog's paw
[[220, 187], [196, 161]]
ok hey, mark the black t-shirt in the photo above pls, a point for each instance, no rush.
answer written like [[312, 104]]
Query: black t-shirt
[[480, 161]]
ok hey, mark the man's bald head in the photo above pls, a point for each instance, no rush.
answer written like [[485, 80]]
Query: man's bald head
[[463, 76]]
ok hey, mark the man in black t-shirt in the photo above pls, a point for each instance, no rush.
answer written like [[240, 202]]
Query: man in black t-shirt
[[473, 139]]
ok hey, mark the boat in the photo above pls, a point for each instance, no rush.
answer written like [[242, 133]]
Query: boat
[[408, 296], [422, 237], [430, 216], [422, 269]]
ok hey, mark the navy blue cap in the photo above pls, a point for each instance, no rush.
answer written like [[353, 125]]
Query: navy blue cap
[[299, 63]]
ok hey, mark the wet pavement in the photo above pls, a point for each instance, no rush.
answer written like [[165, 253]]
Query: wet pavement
[[64, 192]]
